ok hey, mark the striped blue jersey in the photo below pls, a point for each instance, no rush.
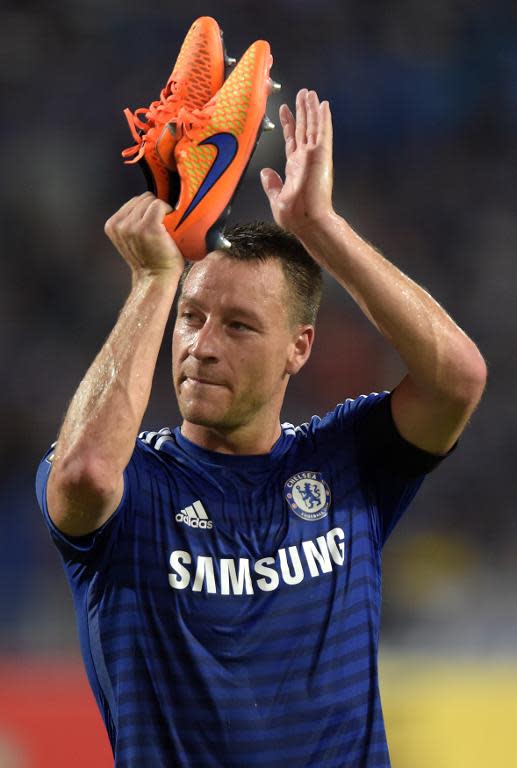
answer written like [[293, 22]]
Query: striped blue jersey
[[229, 611]]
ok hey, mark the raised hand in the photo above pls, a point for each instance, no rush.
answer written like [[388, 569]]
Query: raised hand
[[137, 232], [306, 194]]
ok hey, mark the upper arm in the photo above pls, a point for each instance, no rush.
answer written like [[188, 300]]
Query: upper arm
[[434, 422], [391, 468], [81, 505]]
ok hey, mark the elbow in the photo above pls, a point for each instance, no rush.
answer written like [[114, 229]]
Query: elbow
[[480, 374], [467, 384], [84, 476]]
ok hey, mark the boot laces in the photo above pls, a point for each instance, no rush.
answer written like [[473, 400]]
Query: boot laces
[[157, 115]]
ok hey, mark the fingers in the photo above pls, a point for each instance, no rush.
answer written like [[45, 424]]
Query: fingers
[[325, 124], [155, 212], [288, 126], [138, 233], [271, 183], [125, 210], [312, 106], [301, 117], [313, 121], [143, 209], [124, 213], [143, 204]]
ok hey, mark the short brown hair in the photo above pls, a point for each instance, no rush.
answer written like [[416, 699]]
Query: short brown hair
[[260, 240]]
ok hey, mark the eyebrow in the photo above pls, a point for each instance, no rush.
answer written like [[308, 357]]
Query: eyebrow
[[234, 309]]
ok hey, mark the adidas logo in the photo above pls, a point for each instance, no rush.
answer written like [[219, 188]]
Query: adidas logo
[[194, 516]]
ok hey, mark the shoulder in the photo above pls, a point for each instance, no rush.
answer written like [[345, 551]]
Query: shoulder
[[344, 417], [152, 441], [155, 448]]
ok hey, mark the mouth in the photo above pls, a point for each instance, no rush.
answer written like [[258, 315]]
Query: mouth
[[200, 381]]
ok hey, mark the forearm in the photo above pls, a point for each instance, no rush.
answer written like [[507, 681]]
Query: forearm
[[103, 419], [446, 373], [439, 357]]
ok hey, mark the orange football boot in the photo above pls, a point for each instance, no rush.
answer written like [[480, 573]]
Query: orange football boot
[[214, 150], [198, 74]]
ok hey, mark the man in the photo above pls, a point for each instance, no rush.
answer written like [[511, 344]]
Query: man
[[226, 575]]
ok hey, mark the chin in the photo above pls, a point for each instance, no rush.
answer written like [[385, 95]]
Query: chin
[[205, 408], [201, 414], [207, 415]]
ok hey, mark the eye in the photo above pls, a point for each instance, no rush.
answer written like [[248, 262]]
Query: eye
[[189, 317], [238, 326]]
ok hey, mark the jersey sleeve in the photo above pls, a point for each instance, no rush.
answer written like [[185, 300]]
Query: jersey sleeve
[[99, 544], [392, 469]]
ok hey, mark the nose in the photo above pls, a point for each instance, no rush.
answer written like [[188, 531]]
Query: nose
[[205, 342]]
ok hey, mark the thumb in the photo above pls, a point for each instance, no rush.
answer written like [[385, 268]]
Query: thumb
[[271, 183]]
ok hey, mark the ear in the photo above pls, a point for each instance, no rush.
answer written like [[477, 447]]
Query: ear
[[299, 349]]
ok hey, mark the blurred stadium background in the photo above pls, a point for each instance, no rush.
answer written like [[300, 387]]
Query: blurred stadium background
[[424, 98]]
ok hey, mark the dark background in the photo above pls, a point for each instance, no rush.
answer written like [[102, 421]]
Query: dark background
[[424, 101]]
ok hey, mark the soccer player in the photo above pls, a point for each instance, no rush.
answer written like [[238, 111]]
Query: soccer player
[[226, 574]]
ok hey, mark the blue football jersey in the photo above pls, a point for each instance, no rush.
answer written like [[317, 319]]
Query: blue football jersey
[[229, 610]]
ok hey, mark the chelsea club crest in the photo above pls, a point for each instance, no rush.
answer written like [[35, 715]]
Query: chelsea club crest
[[308, 495]]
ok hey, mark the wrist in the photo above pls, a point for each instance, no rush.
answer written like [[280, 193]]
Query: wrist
[[315, 231], [166, 278]]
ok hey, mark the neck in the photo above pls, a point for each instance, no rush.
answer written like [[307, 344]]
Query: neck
[[244, 440]]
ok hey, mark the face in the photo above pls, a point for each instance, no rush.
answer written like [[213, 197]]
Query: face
[[233, 345]]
